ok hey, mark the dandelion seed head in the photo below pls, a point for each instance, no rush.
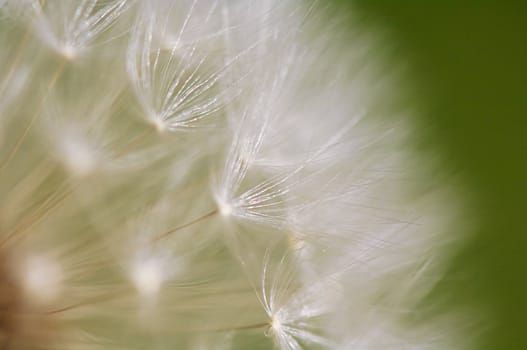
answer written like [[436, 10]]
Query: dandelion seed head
[[260, 97]]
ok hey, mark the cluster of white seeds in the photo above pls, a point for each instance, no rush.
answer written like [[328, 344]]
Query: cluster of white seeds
[[206, 175]]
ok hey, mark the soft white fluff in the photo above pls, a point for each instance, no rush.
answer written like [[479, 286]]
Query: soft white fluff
[[207, 174]]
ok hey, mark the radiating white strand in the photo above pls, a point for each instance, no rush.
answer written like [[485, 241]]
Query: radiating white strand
[[71, 27], [177, 88], [291, 309]]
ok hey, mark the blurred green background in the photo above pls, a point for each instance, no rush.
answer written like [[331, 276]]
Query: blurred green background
[[469, 76]]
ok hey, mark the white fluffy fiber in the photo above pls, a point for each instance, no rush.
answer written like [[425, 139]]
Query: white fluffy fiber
[[207, 175]]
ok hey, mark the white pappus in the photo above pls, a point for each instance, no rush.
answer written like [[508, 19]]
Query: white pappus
[[208, 174]]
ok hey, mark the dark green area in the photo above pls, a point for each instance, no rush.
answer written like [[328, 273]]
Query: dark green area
[[469, 67]]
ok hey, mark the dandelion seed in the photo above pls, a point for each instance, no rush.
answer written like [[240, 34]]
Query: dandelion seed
[[177, 89], [225, 209], [79, 156], [41, 280], [71, 27], [148, 277], [291, 309]]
